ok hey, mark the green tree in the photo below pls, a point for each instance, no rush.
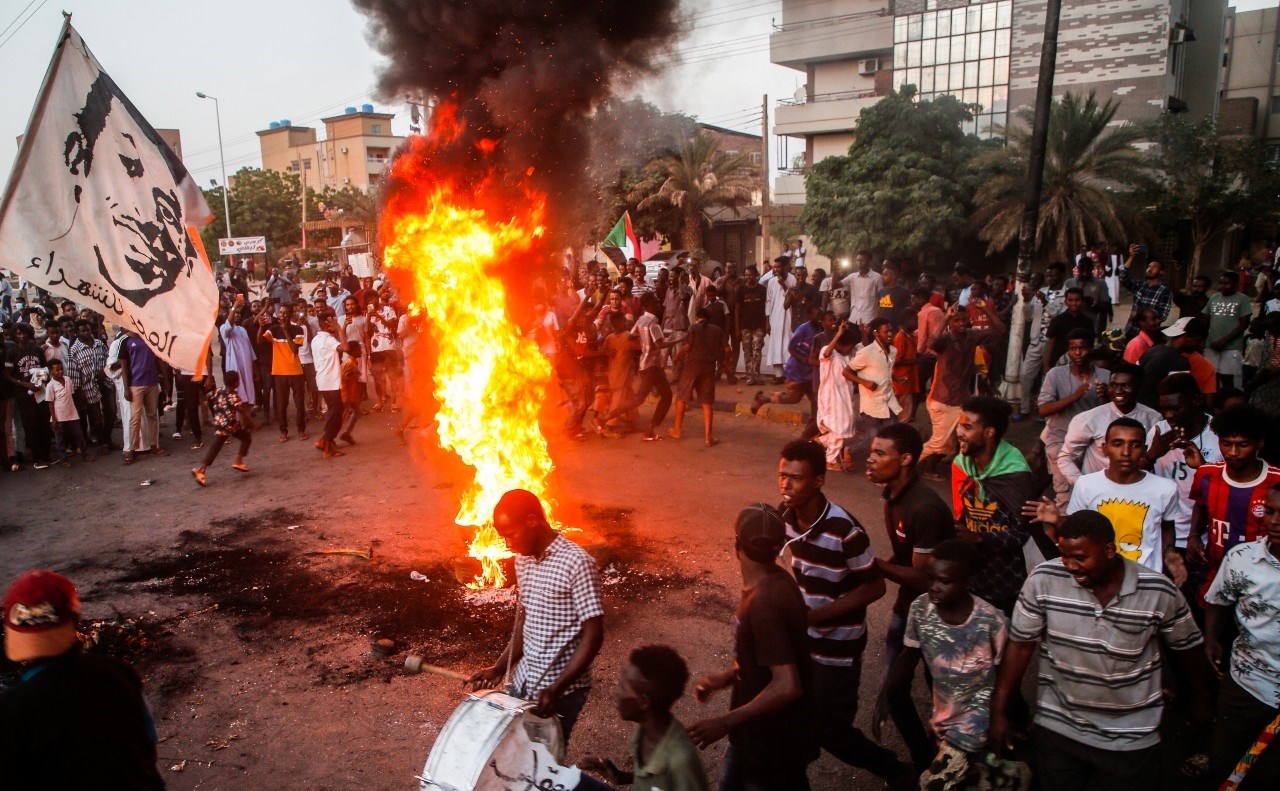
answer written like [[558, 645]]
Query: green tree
[[1206, 184], [903, 188], [694, 176], [626, 134], [263, 203], [1089, 166], [356, 206]]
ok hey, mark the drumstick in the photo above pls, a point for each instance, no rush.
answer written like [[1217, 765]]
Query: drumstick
[[414, 664]]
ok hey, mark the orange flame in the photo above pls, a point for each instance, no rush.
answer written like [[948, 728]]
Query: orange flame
[[444, 244]]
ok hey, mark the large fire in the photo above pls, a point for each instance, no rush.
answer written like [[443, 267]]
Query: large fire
[[446, 236]]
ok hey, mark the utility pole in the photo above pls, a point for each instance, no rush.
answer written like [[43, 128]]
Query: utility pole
[[764, 181], [1011, 389], [302, 172]]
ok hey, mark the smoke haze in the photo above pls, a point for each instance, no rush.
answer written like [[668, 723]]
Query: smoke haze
[[522, 72]]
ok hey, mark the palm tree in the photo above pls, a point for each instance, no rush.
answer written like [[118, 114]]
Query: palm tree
[[693, 177], [1087, 168]]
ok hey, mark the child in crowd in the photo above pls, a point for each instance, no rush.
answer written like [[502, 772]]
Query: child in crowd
[[906, 368], [961, 638], [663, 756], [351, 392], [1256, 348], [231, 418], [621, 348], [836, 413], [59, 393]]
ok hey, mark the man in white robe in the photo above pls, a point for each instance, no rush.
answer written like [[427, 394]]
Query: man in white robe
[[240, 354], [836, 413], [778, 314]]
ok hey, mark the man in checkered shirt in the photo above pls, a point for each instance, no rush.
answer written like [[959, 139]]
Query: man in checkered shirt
[[560, 620], [1147, 293]]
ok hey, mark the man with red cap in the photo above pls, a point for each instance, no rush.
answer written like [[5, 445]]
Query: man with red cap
[[74, 719]]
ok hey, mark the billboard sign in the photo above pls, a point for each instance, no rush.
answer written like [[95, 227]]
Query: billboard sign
[[242, 245]]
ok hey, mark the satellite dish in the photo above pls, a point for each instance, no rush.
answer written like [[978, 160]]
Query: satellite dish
[[800, 95]]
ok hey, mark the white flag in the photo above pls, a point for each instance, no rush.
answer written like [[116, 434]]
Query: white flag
[[101, 211]]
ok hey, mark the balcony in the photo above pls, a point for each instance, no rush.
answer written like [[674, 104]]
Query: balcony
[[829, 112], [788, 187], [861, 35]]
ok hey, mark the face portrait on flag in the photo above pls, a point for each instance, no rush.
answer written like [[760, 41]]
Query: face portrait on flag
[[100, 210], [149, 249]]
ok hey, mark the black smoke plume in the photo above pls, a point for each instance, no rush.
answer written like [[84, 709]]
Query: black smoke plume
[[526, 73]]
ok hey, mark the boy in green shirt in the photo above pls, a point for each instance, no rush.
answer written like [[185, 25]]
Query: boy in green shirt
[[663, 755]]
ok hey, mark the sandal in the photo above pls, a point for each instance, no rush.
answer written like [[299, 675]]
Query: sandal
[[240, 467], [161, 452], [130, 458], [199, 476], [1196, 766]]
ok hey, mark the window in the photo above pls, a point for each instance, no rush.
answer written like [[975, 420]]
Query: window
[[375, 129], [963, 52], [1275, 105]]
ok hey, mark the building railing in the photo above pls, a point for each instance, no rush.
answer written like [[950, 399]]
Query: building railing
[[869, 93], [831, 20]]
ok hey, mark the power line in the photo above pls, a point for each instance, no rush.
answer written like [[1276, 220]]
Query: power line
[[16, 18], [24, 23]]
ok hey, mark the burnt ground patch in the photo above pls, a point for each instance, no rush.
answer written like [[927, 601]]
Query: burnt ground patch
[[248, 570]]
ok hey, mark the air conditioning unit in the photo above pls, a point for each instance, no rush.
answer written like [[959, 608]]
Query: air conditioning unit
[[869, 67], [343, 149], [1181, 34]]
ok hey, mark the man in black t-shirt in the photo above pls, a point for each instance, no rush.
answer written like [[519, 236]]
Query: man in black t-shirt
[[21, 361], [892, 298], [917, 519], [1072, 319], [770, 722], [750, 323], [703, 350]]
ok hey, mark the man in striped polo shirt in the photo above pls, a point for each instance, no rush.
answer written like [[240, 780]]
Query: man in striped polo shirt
[[830, 556], [1096, 616]]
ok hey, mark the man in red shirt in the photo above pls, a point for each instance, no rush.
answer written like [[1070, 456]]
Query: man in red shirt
[[1229, 498]]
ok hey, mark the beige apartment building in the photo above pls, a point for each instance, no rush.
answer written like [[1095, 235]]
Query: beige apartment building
[[356, 148]]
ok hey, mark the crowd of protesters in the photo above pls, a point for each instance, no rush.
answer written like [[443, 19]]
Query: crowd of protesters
[[1135, 545], [72, 381]]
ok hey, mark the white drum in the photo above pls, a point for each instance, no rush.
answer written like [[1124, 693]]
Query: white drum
[[493, 742]]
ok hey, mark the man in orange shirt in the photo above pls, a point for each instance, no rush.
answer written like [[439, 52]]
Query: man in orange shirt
[[1188, 336], [285, 338], [906, 370]]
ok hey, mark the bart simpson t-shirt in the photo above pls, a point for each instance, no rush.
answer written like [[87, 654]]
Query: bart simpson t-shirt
[[1135, 510]]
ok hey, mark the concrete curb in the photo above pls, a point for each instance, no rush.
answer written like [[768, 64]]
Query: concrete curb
[[774, 413]]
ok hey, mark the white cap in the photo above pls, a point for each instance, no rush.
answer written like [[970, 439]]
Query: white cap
[[1177, 328]]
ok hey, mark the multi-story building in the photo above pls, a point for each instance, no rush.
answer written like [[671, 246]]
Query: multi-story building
[[356, 148], [1250, 103], [1151, 55], [845, 50]]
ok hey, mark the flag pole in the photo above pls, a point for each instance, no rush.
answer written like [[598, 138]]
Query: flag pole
[[37, 113]]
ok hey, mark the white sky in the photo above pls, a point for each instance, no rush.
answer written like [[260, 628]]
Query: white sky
[[268, 60]]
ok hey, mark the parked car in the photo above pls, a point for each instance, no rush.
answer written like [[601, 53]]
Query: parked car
[[665, 259]]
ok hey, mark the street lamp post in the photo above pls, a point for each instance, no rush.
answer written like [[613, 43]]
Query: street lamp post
[[226, 203]]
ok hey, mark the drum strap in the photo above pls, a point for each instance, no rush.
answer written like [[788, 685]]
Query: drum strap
[[515, 623]]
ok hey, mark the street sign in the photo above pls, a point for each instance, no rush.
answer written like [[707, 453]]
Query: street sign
[[242, 245]]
